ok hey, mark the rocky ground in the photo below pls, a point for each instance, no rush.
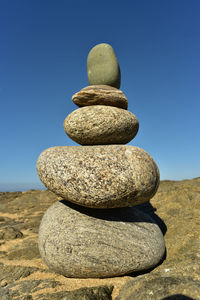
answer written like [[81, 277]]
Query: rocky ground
[[23, 275]]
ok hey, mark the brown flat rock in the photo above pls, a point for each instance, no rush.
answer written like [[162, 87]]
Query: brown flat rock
[[100, 95], [161, 288]]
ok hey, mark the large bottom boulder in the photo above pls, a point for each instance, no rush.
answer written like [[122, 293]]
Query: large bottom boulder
[[82, 242]]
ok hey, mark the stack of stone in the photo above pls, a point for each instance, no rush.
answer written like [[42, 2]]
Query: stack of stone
[[96, 231]]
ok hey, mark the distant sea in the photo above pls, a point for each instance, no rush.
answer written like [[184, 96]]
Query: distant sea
[[21, 187]]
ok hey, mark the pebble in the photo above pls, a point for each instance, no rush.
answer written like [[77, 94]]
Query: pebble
[[90, 243], [101, 125], [102, 66], [100, 95], [99, 176], [10, 233], [3, 283]]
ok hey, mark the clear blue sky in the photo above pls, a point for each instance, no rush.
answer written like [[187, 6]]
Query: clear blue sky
[[43, 52]]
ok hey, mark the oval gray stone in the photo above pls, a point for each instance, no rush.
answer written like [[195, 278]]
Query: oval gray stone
[[99, 176], [101, 125], [102, 66], [84, 243], [100, 95]]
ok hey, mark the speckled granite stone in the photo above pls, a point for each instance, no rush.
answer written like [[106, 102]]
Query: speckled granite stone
[[102, 66], [100, 95], [99, 176], [81, 242], [101, 125]]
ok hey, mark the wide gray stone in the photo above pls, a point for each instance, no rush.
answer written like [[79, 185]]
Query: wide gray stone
[[102, 66], [101, 125], [99, 176], [81, 242], [100, 95]]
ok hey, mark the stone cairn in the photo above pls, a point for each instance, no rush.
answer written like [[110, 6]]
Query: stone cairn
[[96, 231]]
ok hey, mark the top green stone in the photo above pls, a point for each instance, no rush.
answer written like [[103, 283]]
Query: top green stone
[[102, 66]]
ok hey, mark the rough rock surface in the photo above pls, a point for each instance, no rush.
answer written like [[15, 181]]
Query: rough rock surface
[[100, 95], [164, 287], [91, 243], [101, 125], [176, 203], [99, 176], [93, 293], [102, 66]]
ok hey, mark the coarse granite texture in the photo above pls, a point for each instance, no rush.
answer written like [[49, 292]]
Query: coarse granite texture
[[101, 125], [102, 66], [99, 176], [82, 242], [100, 95]]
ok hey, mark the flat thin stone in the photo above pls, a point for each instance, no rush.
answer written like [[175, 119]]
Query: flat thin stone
[[100, 95], [84, 243], [99, 176], [101, 125], [102, 66]]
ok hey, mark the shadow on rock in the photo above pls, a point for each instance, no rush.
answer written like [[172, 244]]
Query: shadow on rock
[[150, 210], [139, 213], [178, 297]]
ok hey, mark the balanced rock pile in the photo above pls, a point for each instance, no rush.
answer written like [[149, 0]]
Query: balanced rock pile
[[95, 231]]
